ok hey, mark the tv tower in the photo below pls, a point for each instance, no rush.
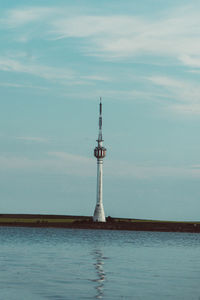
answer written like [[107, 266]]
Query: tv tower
[[99, 153]]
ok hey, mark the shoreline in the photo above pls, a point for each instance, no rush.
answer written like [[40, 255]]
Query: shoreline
[[86, 222]]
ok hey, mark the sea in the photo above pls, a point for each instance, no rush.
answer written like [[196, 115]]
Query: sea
[[53, 263]]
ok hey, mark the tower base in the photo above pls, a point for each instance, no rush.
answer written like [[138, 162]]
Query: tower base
[[99, 215]]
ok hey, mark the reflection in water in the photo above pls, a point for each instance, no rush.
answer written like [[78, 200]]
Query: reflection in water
[[99, 262]]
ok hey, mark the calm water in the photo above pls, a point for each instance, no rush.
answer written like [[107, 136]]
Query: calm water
[[40, 263]]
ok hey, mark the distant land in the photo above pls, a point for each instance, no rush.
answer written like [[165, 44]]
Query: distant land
[[86, 222]]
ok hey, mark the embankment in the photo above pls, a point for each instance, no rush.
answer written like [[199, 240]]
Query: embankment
[[86, 222]]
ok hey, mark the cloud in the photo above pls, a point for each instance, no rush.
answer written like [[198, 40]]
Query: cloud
[[176, 34], [197, 166], [56, 163], [63, 76], [8, 163], [130, 170], [23, 16], [32, 139], [16, 85], [71, 157], [172, 34], [183, 95], [96, 78], [189, 61], [187, 109], [52, 73], [171, 37], [93, 26], [166, 82], [62, 163]]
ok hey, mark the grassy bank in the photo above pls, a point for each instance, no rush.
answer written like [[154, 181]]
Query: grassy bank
[[85, 222]]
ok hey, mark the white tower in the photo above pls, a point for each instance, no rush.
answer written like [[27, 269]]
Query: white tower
[[99, 153]]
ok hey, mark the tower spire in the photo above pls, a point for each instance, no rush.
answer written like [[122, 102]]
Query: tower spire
[[100, 138], [99, 153]]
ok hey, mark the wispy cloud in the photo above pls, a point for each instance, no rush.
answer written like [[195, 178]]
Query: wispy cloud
[[96, 78], [175, 34], [71, 157], [62, 76], [32, 139], [183, 95], [17, 85], [54, 163], [52, 73], [23, 16], [190, 61], [131, 170], [62, 163]]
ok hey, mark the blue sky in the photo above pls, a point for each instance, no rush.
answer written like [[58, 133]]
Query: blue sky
[[56, 60]]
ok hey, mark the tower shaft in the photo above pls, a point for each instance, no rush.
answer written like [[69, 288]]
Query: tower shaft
[[99, 215]]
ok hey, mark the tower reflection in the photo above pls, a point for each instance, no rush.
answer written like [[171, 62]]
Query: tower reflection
[[99, 266]]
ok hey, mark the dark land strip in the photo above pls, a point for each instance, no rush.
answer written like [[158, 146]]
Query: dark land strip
[[85, 222]]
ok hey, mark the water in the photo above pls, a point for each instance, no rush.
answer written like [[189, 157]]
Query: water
[[48, 263]]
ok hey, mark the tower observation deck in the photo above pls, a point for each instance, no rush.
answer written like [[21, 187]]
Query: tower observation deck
[[99, 153]]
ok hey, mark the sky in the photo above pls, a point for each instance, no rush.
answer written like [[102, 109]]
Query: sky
[[143, 58]]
